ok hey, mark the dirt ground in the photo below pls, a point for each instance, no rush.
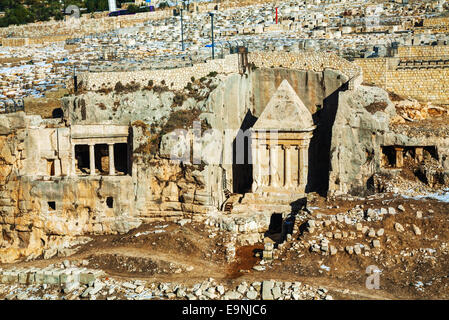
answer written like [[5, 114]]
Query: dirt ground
[[166, 251]]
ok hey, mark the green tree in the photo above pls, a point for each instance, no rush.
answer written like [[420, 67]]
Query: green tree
[[133, 8]]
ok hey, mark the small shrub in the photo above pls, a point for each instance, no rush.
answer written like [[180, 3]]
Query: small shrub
[[160, 89], [140, 124], [130, 87], [119, 87], [101, 106], [179, 99], [376, 106]]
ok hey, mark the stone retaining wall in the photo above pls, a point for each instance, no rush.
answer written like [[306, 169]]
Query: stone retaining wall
[[313, 61], [425, 83], [423, 51], [177, 79], [436, 22]]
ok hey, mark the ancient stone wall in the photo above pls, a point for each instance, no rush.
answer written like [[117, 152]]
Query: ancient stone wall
[[426, 81], [177, 79], [423, 51], [436, 22], [373, 70], [312, 61], [433, 30], [18, 42], [425, 85]]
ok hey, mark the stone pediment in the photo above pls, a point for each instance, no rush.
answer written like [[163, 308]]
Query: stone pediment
[[285, 112]]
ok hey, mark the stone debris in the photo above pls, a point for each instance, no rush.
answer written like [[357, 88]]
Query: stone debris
[[398, 227], [376, 243], [416, 230]]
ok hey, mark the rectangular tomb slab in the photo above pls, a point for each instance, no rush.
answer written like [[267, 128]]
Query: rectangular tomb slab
[[66, 276], [24, 275], [87, 277]]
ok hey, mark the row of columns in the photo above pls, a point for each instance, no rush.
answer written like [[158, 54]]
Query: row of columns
[[92, 159], [303, 160]]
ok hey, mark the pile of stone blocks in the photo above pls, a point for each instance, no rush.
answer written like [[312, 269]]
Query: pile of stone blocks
[[49, 275], [268, 251]]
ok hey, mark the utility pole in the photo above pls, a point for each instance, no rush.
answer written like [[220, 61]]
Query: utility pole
[[212, 27], [182, 31]]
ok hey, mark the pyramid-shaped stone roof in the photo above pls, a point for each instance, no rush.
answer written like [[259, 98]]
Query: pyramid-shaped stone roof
[[285, 112]]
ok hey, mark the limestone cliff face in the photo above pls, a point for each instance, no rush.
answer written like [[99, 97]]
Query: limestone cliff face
[[356, 138], [39, 212], [363, 125], [45, 207]]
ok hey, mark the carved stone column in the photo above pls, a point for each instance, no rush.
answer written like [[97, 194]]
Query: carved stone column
[[303, 165], [419, 154], [287, 166], [256, 162], [92, 158], [399, 157], [111, 159], [274, 165]]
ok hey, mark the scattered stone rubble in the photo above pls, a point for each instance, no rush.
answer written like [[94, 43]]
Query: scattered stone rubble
[[93, 285]]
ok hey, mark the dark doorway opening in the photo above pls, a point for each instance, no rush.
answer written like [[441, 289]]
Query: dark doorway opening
[[430, 152], [275, 228], [242, 164], [388, 157], [51, 167], [102, 158], [121, 158], [110, 202], [57, 113], [51, 205], [275, 223], [82, 158]]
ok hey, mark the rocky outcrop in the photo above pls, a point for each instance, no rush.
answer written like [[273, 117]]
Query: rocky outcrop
[[366, 120]]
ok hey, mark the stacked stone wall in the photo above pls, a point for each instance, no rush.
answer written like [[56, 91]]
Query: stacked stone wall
[[313, 61], [421, 82], [436, 22], [433, 30], [178, 78], [373, 70], [56, 31], [423, 51]]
